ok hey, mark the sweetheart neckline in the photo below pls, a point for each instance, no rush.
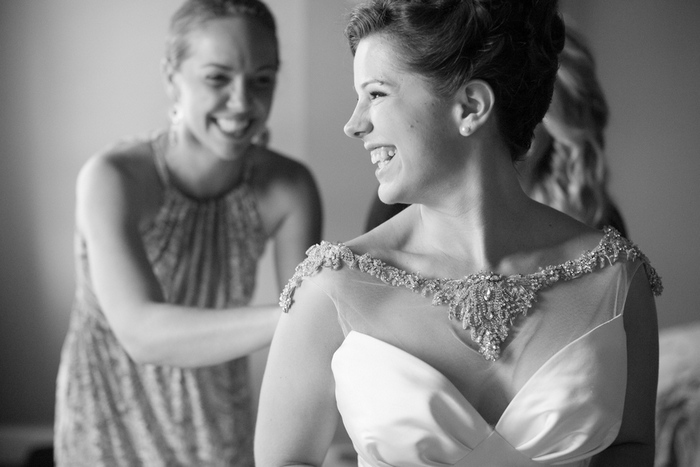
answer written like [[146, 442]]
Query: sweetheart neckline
[[522, 389]]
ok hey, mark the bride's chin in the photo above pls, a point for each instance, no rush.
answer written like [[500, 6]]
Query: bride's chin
[[386, 197]]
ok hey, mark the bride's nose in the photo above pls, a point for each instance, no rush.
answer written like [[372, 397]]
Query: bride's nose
[[359, 124]]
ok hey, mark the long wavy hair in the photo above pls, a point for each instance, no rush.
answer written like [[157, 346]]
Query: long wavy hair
[[567, 168]]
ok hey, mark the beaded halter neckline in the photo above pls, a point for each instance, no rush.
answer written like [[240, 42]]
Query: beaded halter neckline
[[486, 303]]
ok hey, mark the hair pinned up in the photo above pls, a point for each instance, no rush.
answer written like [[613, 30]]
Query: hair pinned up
[[511, 44], [195, 12]]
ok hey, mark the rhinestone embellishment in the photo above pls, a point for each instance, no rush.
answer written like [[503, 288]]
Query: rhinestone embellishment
[[486, 303]]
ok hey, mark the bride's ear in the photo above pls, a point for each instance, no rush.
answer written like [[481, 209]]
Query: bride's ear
[[475, 101]]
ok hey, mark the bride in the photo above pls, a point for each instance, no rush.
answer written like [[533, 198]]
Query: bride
[[477, 327]]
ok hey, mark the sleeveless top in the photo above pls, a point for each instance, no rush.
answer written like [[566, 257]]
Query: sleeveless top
[[405, 386], [113, 411]]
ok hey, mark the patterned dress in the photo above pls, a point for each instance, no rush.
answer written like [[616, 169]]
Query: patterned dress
[[113, 411]]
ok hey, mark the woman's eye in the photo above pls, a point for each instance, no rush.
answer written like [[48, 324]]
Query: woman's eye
[[264, 81], [217, 80], [375, 94]]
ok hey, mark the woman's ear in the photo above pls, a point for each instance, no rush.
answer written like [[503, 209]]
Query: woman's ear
[[168, 71], [475, 103]]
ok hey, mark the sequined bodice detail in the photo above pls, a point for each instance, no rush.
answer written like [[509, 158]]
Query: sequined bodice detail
[[486, 303]]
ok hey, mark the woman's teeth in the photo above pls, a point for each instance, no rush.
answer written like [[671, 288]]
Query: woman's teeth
[[233, 126], [381, 156]]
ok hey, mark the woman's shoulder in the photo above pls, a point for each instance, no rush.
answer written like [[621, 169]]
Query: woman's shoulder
[[593, 250], [128, 158], [281, 183], [122, 174], [327, 264], [272, 169]]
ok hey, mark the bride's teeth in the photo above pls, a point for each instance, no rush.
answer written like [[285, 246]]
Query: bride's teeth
[[382, 154]]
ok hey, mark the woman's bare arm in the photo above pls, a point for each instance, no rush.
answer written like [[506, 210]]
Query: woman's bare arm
[[297, 416], [109, 204], [635, 442]]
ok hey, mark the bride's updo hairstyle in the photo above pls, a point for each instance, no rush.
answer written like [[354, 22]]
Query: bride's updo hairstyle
[[510, 44]]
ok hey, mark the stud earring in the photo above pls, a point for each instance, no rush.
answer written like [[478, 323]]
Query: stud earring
[[465, 130]]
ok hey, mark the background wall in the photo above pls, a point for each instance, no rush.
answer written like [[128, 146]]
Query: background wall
[[77, 74]]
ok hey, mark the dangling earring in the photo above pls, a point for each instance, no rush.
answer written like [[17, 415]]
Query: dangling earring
[[175, 120], [262, 138]]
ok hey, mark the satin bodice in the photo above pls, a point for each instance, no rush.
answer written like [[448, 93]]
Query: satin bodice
[[400, 411]]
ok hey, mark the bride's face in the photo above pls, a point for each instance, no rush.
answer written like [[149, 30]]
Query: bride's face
[[411, 133]]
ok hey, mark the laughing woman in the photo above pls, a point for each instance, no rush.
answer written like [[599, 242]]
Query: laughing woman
[[477, 327], [169, 232]]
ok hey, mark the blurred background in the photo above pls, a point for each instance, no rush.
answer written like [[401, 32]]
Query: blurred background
[[76, 75]]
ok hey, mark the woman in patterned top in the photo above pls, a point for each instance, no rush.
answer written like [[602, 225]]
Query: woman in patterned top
[[169, 230], [477, 327]]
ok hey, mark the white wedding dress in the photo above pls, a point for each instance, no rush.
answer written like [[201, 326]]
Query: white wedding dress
[[400, 411], [407, 390]]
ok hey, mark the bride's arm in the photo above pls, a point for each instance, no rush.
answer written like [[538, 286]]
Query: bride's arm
[[634, 445], [297, 416]]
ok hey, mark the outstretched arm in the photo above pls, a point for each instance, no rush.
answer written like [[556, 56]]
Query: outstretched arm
[[297, 416], [111, 196]]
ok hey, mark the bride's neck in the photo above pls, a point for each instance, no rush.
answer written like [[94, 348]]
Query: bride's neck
[[481, 226]]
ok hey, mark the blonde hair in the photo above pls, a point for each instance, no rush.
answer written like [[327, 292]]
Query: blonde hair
[[572, 174], [192, 13]]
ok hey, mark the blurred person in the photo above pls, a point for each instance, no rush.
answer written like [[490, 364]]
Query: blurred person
[[169, 231]]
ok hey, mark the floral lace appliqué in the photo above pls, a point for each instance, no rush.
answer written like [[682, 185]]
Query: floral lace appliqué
[[486, 303]]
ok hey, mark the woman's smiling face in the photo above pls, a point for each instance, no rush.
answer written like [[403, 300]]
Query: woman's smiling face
[[225, 86], [411, 132]]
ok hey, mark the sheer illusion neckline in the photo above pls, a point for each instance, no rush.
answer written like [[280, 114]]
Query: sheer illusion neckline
[[486, 303]]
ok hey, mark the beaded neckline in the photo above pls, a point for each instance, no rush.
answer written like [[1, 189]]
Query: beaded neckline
[[487, 303]]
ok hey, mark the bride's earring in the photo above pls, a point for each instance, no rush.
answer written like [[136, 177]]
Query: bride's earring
[[465, 130]]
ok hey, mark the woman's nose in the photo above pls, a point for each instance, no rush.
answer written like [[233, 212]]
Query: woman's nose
[[359, 124], [238, 95]]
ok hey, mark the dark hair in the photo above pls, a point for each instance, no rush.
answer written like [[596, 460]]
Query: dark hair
[[195, 12], [510, 44]]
